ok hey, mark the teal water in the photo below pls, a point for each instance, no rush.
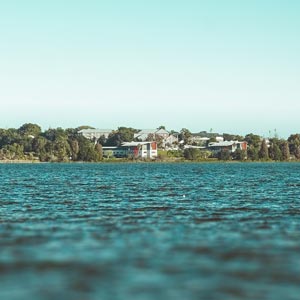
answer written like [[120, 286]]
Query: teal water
[[150, 231]]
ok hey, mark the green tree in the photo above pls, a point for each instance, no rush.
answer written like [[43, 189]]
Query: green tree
[[62, 149], [224, 154], [53, 134], [264, 151], [254, 143], [99, 151], [2, 154], [253, 140], [285, 150], [232, 137], [228, 137], [74, 147], [185, 135], [114, 139], [29, 129], [212, 140], [72, 133], [26, 142], [14, 151], [123, 134], [102, 140], [9, 136], [252, 153], [84, 127], [87, 150], [274, 150], [192, 153], [294, 144], [39, 147], [57, 146], [239, 154]]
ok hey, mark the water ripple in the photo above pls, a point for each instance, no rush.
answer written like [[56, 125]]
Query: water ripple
[[145, 231]]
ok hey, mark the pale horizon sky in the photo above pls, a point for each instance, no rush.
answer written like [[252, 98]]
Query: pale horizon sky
[[231, 66]]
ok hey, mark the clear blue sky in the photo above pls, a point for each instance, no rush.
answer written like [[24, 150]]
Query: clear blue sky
[[229, 65]]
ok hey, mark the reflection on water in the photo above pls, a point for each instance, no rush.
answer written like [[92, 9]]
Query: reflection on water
[[150, 231]]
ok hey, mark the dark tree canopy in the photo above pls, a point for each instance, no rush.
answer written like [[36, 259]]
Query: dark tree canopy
[[264, 151], [30, 129], [123, 134]]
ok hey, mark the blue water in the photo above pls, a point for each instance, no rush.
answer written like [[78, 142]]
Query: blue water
[[150, 231]]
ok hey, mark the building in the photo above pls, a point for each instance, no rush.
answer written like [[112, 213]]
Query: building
[[92, 134], [199, 140], [203, 137], [144, 134], [167, 139], [231, 146], [171, 142], [141, 149], [132, 149], [219, 139], [113, 151]]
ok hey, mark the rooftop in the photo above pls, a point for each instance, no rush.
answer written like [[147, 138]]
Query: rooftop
[[94, 130], [224, 144], [129, 144]]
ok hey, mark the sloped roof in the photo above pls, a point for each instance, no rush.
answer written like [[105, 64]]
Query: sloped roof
[[129, 144], [149, 131], [95, 130], [224, 144], [146, 131], [161, 131], [142, 136]]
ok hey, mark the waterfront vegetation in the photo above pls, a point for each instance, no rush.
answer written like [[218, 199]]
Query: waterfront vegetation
[[30, 143]]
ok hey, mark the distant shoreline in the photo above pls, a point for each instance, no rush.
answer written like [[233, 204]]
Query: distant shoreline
[[22, 161], [19, 161]]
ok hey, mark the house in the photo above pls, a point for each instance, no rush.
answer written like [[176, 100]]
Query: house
[[202, 137], [231, 146], [141, 149], [113, 151], [95, 133], [162, 133], [171, 142], [219, 139], [199, 140], [144, 134], [167, 139], [132, 149], [194, 147]]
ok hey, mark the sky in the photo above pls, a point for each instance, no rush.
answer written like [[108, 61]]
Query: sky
[[229, 66]]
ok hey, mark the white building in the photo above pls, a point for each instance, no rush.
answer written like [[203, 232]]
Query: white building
[[141, 149], [152, 134], [231, 146], [132, 149], [95, 133]]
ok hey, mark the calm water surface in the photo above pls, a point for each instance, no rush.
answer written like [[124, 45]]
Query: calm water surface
[[150, 231]]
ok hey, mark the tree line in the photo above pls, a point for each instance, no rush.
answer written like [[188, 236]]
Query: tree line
[[258, 149], [53, 145], [29, 142]]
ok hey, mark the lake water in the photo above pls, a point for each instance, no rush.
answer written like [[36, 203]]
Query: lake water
[[150, 231]]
